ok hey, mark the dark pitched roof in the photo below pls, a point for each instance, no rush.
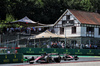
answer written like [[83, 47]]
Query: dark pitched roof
[[86, 17]]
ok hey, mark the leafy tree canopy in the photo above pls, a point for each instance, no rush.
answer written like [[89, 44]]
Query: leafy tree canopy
[[43, 11]]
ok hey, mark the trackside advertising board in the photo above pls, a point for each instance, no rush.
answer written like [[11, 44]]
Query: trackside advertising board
[[88, 52]]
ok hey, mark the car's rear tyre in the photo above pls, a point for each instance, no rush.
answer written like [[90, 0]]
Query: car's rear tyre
[[64, 59], [57, 60], [31, 62], [47, 60], [76, 57]]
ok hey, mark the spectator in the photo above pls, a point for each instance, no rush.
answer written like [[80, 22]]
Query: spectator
[[87, 46], [39, 29], [8, 29], [28, 30], [95, 46], [18, 29], [90, 46], [12, 29], [62, 44], [16, 51], [55, 45], [77, 45], [48, 46], [8, 52], [52, 44], [59, 44]]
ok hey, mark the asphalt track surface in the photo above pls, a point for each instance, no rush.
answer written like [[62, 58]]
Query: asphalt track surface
[[82, 60]]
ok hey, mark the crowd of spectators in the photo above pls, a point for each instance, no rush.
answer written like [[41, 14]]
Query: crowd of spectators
[[57, 44], [71, 46], [27, 30], [89, 46]]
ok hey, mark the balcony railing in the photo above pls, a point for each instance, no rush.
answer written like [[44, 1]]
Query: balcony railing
[[90, 34]]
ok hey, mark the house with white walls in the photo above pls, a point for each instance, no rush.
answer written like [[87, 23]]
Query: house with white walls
[[79, 27]]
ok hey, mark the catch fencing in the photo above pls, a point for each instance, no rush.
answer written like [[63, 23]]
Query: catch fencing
[[7, 48]]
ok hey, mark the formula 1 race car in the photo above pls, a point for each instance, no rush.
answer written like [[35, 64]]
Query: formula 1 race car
[[69, 57], [26, 59], [47, 58]]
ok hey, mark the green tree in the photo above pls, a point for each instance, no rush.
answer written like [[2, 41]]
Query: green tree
[[84, 5], [9, 18], [95, 4], [2, 9], [44, 11]]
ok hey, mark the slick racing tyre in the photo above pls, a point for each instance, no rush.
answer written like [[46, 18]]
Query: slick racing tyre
[[76, 57], [64, 58], [57, 60], [31, 62], [47, 59]]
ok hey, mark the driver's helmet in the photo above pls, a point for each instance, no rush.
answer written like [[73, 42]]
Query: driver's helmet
[[44, 54]]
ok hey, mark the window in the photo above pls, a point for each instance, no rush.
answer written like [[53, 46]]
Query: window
[[99, 31], [90, 29], [68, 16], [73, 30], [61, 30]]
